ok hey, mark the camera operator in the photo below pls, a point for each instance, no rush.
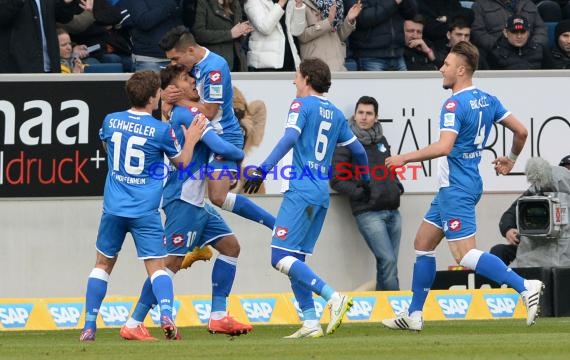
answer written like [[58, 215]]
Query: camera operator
[[508, 223]]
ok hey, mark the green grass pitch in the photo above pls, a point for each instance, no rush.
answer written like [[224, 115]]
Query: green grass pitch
[[458, 340]]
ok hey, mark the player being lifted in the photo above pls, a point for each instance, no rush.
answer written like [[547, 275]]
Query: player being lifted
[[315, 126], [465, 122]]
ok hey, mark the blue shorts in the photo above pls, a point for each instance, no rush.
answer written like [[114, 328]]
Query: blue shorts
[[298, 224], [453, 211], [188, 226], [147, 232], [218, 162]]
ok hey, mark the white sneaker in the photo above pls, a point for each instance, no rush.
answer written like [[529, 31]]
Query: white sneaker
[[404, 322], [338, 308], [306, 332], [531, 299]]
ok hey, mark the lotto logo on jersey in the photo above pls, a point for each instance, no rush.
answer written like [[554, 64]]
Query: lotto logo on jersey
[[501, 305], [399, 303], [215, 77], [320, 305], [361, 308], [177, 240], [65, 315], [193, 109], [155, 312], [450, 105], [281, 232], [258, 310], [115, 313], [454, 225], [295, 106], [454, 306], [15, 315], [203, 309]]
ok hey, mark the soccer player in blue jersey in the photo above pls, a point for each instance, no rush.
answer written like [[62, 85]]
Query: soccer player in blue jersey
[[191, 222], [465, 122], [135, 142], [314, 127], [214, 85]]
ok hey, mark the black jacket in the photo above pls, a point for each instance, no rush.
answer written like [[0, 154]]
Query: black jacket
[[560, 60], [416, 60], [21, 35], [384, 195], [532, 56]]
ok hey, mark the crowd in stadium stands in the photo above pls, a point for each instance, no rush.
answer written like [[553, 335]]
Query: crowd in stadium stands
[[275, 35]]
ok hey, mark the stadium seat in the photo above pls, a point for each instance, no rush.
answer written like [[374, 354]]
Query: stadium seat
[[104, 68], [550, 31], [549, 11]]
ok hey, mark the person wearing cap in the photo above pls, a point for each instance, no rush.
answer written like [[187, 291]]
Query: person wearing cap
[[490, 17], [516, 51], [561, 50], [508, 225]]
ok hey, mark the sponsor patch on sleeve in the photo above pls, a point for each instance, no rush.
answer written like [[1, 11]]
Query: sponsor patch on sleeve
[[215, 77], [450, 105], [449, 120], [216, 91], [292, 119], [295, 106]]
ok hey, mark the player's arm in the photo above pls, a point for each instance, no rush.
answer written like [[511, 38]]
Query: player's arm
[[504, 164], [221, 147], [442, 147]]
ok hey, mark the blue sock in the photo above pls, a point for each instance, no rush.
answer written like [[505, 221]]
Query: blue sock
[[162, 289], [302, 273], [304, 297], [250, 210], [96, 291], [223, 275], [146, 301], [424, 275], [494, 269]]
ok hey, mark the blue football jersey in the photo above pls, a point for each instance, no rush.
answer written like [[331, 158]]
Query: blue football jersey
[[136, 143], [470, 113], [322, 126], [214, 84], [190, 184]]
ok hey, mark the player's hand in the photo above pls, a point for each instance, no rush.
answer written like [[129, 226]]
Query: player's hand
[[194, 132], [503, 165], [395, 161], [254, 181], [513, 237], [365, 186], [171, 94]]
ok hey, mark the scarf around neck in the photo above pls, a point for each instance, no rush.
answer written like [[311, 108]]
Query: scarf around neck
[[367, 137]]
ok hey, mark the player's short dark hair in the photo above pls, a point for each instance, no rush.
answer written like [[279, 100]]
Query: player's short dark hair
[[367, 100], [141, 86], [468, 52], [170, 73], [317, 73], [179, 37]]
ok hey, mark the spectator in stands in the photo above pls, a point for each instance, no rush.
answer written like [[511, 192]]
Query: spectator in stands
[[151, 20], [325, 30], [28, 39], [516, 51], [508, 226], [271, 45], [219, 26], [417, 54], [490, 17], [561, 51], [438, 14], [377, 44], [70, 62], [459, 30], [376, 213]]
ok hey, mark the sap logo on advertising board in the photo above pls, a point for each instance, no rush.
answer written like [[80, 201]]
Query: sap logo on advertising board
[[203, 309], [361, 308], [400, 304], [65, 314], [501, 305], [15, 315], [115, 313], [454, 306], [155, 312], [258, 310], [320, 305]]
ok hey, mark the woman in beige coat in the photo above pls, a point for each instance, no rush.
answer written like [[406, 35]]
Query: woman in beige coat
[[325, 30]]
